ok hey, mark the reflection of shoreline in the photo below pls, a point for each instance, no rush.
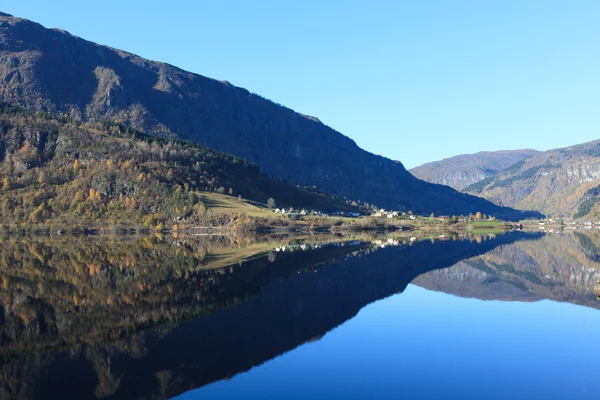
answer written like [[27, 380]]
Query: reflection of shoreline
[[562, 267], [251, 313]]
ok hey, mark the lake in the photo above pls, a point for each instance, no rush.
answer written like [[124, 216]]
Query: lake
[[361, 316]]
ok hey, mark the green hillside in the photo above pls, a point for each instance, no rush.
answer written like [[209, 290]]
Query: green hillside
[[64, 173]]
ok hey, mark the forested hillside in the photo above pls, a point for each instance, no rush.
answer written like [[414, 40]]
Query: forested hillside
[[56, 171]]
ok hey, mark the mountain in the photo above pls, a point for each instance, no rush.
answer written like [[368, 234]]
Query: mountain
[[464, 170], [564, 182], [101, 175], [52, 70]]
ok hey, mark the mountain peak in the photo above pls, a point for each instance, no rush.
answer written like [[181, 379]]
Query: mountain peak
[[45, 69]]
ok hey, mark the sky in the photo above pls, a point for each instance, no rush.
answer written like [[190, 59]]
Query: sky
[[415, 81]]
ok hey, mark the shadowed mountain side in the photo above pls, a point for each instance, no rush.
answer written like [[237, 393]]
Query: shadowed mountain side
[[562, 268], [296, 305], [52, 70]]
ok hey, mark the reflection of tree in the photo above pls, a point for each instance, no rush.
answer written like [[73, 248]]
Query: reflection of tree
[[117, 307]]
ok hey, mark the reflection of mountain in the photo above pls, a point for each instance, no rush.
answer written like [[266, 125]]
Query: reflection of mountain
[[560, 267], [252, 312]]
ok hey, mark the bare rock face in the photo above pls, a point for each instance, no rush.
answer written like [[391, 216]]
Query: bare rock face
[[562, 182], [462, 171], [52, 70]]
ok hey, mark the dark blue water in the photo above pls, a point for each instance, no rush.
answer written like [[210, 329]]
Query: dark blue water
[[426, 345], [513, 316]]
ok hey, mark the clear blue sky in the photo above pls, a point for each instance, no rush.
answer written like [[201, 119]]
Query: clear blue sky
[[415, 81]]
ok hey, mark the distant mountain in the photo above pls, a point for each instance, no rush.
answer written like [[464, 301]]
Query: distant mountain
[[464, 170], [52, 70], [563, 182]]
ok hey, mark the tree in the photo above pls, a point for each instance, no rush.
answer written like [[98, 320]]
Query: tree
[[271, 202], [478, 216], [432, 216]]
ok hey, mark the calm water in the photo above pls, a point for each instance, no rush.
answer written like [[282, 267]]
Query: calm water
[[496, 317]]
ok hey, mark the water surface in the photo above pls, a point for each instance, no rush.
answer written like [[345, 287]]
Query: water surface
[[388, 316]]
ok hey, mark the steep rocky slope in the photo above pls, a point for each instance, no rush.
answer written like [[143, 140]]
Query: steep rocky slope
[[561, 182], [464, 170], [50, 69]]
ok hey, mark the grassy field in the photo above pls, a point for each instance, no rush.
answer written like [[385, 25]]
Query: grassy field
[[221, 203]]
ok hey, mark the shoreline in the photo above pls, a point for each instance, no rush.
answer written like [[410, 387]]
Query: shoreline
[[281, 226]]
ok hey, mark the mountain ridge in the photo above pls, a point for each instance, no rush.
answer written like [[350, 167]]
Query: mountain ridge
[[50, 70], [562, 182], [463, 170]]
